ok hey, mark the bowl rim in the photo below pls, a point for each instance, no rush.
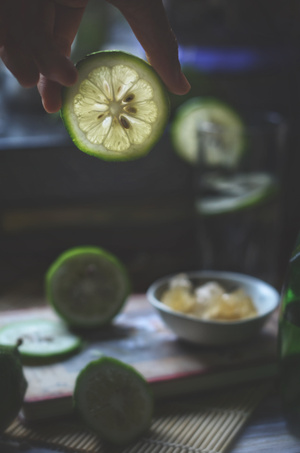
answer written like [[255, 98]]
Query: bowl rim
[[226, 275]]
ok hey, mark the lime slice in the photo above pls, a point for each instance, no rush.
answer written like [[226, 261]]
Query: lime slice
[[232, 193], [41, 338], [114, 400], [209, 132], [118, 108], [87, 286]]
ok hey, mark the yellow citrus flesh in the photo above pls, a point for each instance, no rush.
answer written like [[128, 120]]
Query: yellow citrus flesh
[[118, 109]]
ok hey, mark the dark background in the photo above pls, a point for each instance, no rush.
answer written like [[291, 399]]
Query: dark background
[[53, 196]]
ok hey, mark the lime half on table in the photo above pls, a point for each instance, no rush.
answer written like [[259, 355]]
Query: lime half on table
[[209, 132], [113, 400], [118, 108], [41, 339], [87, 286]]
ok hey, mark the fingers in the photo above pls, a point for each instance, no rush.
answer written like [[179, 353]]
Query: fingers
[[66, 25], [36, 40], [150, 25], [51, 30], [36, 43], [20, 64], [13, 53], [52, 64], [55, 69], [50, 93]]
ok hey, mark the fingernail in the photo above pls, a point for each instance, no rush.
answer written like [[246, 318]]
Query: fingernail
[[71, 73], [184, 82]]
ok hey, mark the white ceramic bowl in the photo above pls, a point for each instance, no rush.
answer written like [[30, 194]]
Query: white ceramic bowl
[[207, 332]]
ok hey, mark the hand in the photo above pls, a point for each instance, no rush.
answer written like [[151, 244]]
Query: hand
[[36, 38]]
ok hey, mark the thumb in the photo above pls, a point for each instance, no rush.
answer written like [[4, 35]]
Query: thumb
[[149, 23]]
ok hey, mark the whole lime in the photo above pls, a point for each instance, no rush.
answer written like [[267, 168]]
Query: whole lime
[[13, 385]]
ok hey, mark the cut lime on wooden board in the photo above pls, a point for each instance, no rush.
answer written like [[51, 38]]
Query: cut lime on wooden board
[[208, 131], [239, 191], [42, 339], [87, 286], [113, 400], [118, 108]]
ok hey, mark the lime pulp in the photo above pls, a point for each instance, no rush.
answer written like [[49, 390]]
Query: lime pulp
[[87, 286], [118, 108], [208, 132]]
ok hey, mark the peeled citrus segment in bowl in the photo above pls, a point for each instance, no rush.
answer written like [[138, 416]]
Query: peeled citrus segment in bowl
[[209, 132], [113, 400], [118, 108], [87, 286]]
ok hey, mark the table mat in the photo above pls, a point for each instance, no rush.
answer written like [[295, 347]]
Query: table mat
[[199, 423]]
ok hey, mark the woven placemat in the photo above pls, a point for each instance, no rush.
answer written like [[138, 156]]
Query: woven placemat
[[199, 423]]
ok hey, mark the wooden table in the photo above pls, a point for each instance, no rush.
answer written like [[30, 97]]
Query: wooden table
[[266, 432]]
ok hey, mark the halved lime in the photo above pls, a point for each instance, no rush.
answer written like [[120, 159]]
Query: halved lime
[[41, 338], [209, 132], [114, 400], [118, 108], [87, 286], [235, 192]]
